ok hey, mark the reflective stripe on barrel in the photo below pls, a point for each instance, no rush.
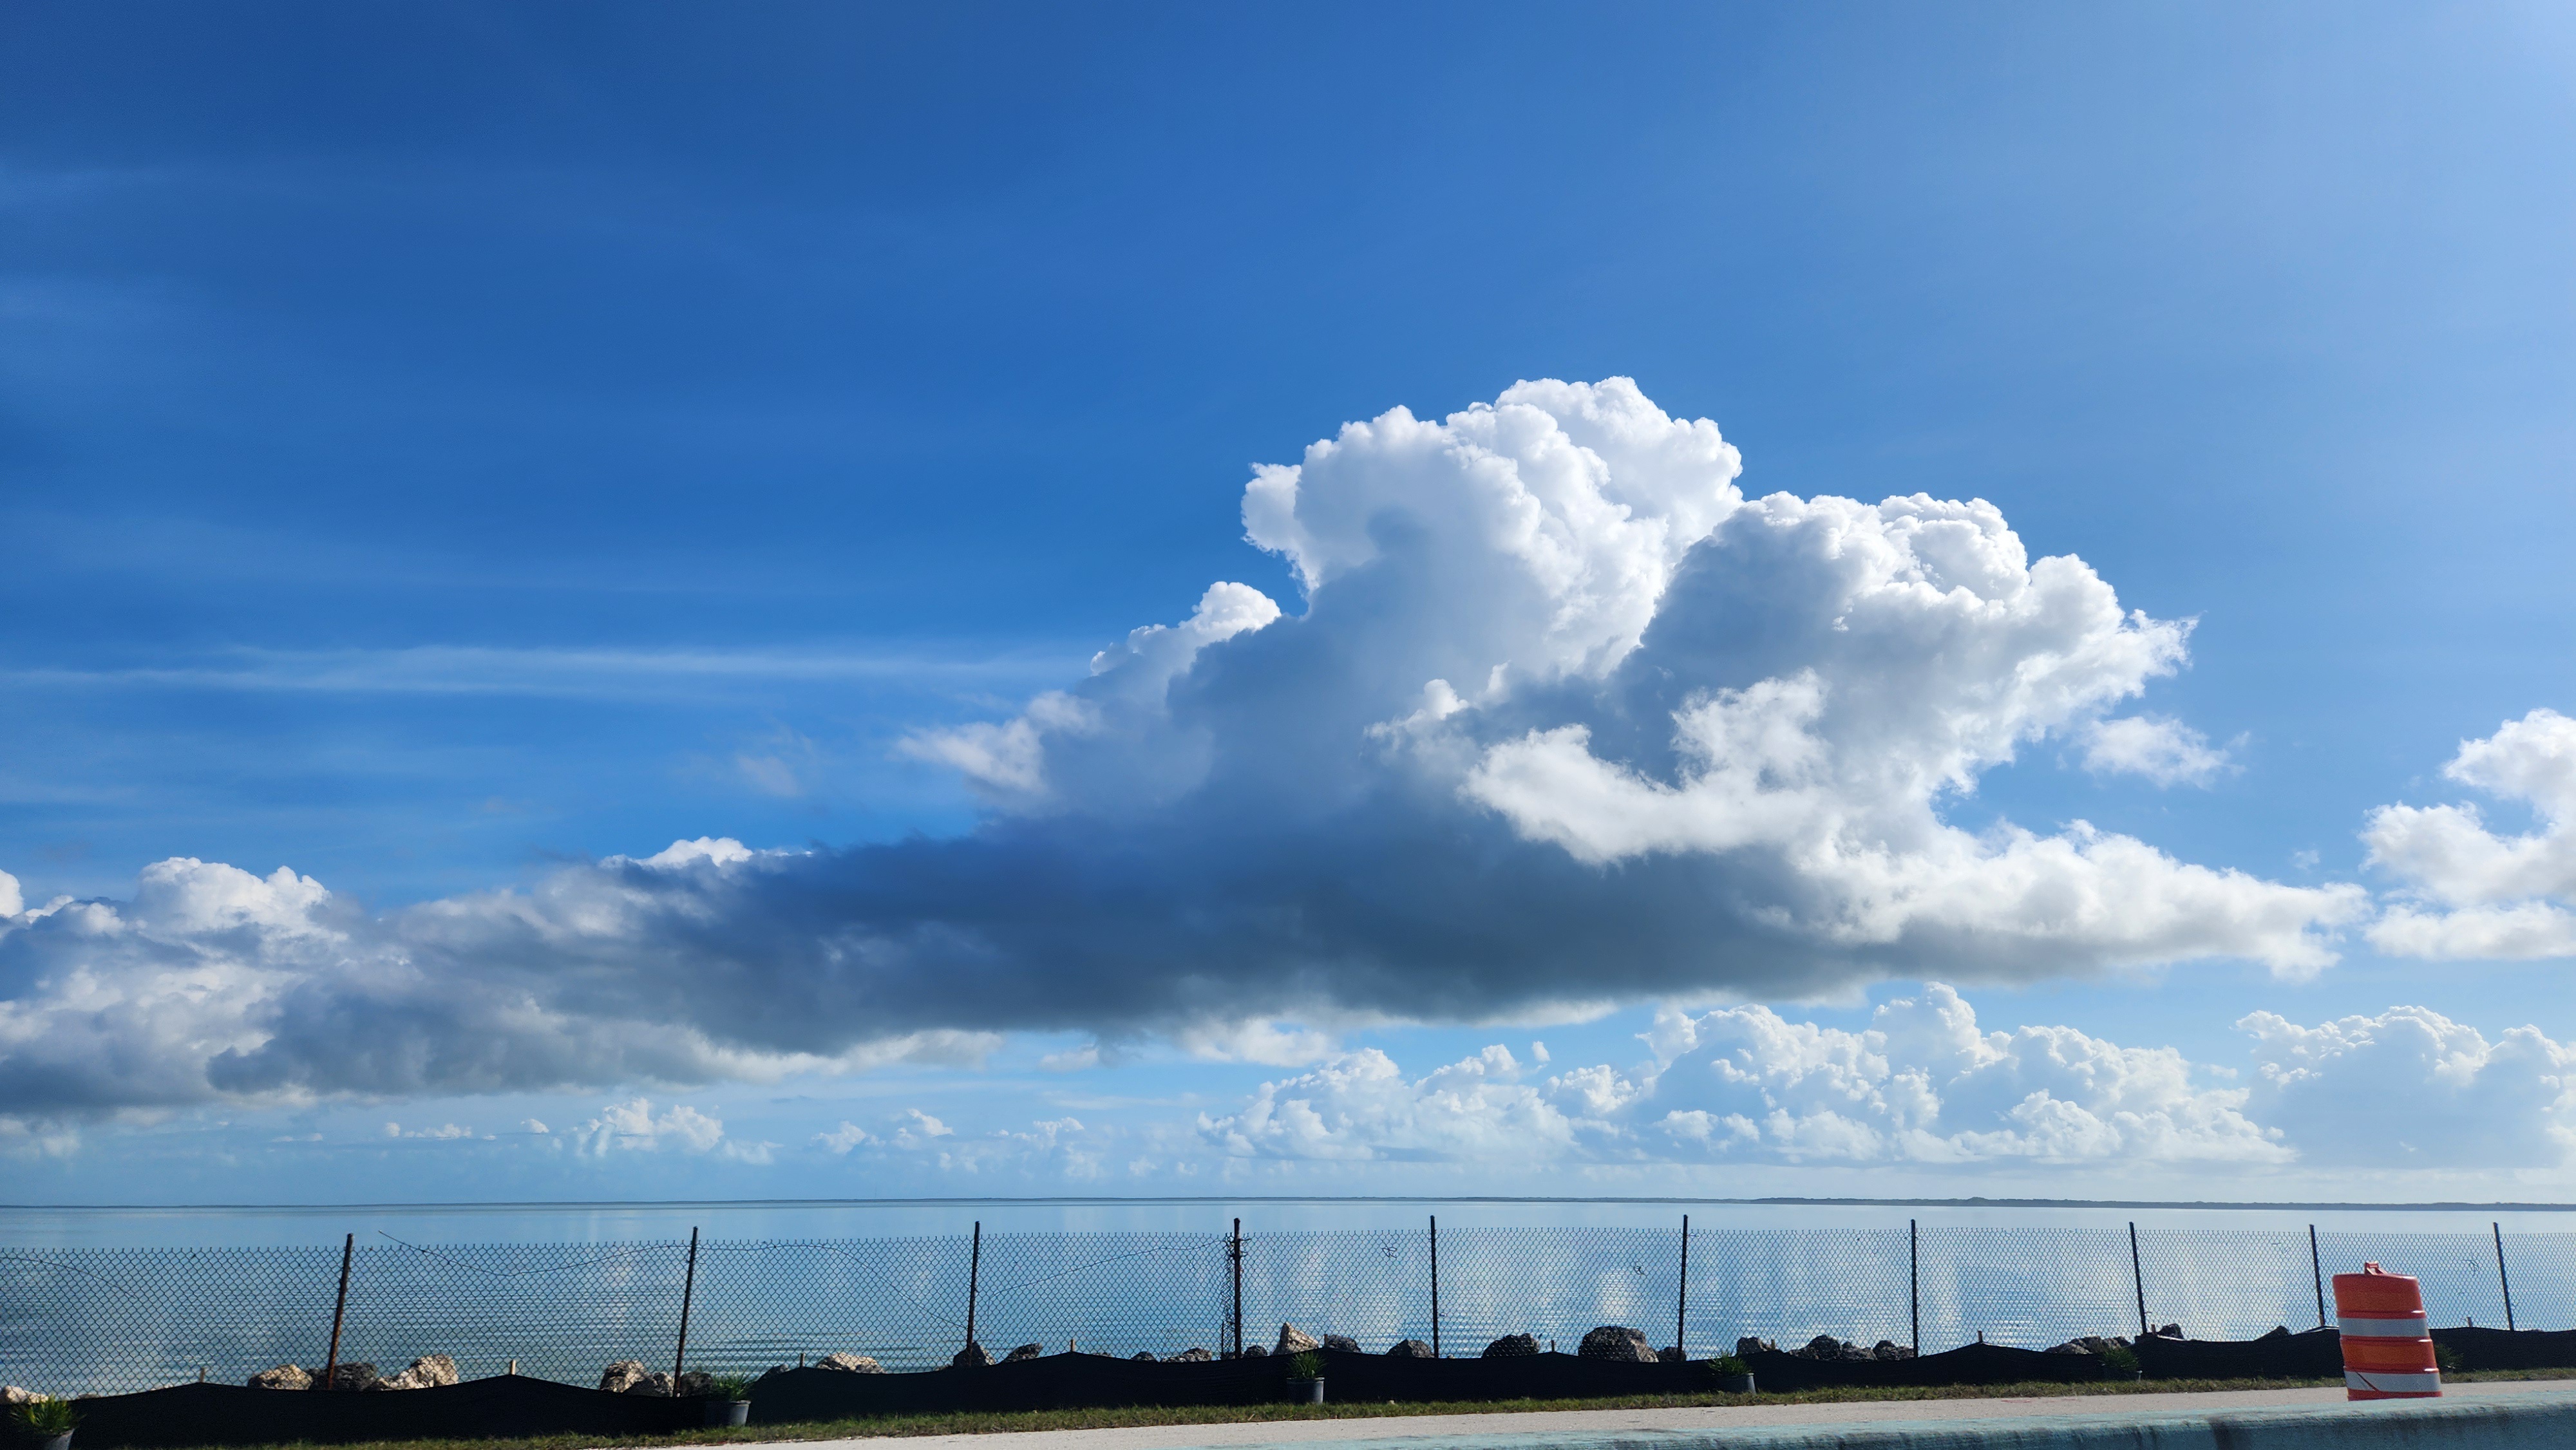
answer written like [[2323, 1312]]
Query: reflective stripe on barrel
[[2387, 1342]]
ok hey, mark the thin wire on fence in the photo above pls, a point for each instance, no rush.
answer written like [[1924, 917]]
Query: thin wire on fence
[[106, 1320]]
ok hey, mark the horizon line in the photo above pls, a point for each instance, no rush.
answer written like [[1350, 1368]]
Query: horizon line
[[1974, 1202]]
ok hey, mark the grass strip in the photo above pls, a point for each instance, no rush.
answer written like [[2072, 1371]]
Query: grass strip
[[1015, 1421]]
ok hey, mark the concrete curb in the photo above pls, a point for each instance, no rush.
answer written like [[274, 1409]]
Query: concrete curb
[[2501, 1424]]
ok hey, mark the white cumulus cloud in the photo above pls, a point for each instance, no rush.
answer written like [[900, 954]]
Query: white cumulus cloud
[[2469, 890], [1924, 1085], [2163, 750]]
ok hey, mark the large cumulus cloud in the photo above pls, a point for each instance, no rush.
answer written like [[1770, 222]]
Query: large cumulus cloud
[[1565, 719]]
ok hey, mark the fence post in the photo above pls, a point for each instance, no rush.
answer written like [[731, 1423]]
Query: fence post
[[688, 1291], [1435, 1286], [1681, 1301], [2501, 1281], [2138, 1277], [331, 1361], [2317, 1267], [1914, 1283], [974, 1273], [1234, 1253]]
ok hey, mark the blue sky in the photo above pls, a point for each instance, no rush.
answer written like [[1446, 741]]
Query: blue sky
[[447, 448]]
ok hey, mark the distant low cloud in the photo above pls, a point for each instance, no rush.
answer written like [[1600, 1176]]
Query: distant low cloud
[[1925, 1085], [2468, 890], [1566, 721]]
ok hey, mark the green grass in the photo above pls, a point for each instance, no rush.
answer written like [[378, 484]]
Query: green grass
[[1001, 1422]]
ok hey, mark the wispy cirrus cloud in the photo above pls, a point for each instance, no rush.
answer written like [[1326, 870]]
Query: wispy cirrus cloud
[[560, 673]]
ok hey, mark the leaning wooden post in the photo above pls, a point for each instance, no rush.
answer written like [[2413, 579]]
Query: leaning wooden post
[[688, 1291], [2501, 1281], [2138, 1277], [974, 1272], [331, 1361], [2317, 1267]]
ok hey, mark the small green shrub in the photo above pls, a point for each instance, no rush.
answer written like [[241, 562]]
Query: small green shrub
[[2120, 1357], [1728, 1364], [1306, 1366], [729, 1387], [2448, 1359], [45, 1418]]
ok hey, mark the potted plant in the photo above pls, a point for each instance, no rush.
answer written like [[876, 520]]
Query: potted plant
[[47, 1422], [1732, 1376], [1306, 1378], [728, 1400], [2122, 1363]]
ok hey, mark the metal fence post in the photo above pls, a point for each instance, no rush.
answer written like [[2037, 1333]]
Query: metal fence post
[[2501, 1281], [2317, 1267], [688, 1292], [2138, 1277], [1435, 1286], [1914, 1282], [974, 1273], [339, 1309], [1681, 1301], [1234, 1254]]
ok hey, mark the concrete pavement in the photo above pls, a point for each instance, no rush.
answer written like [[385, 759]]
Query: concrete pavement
[[2498, 1413]]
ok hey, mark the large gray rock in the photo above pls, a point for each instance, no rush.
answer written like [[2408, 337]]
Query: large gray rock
[[1673, 1354], [1617, 1342], [1192, 1355], [12, 1395], [1748, 1346], [284, 1377], [1408, 1349], [622, 1376], [425, 1373], [847, 1363], [971, 1357], [1512, 1346], [1293, 1340], [1146, 1355], [1342, 1342], [353, 1375], [1025, 1351], [1254, 1351], [1890, 1349]]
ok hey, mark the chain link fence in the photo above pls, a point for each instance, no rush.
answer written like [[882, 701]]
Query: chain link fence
[[111, 1320]]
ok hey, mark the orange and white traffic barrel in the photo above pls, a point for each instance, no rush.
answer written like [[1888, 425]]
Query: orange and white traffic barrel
[[2387, 1343]]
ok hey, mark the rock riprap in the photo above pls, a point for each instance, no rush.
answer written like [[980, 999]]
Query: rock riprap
[[1617, 1342], [425, 1373]]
